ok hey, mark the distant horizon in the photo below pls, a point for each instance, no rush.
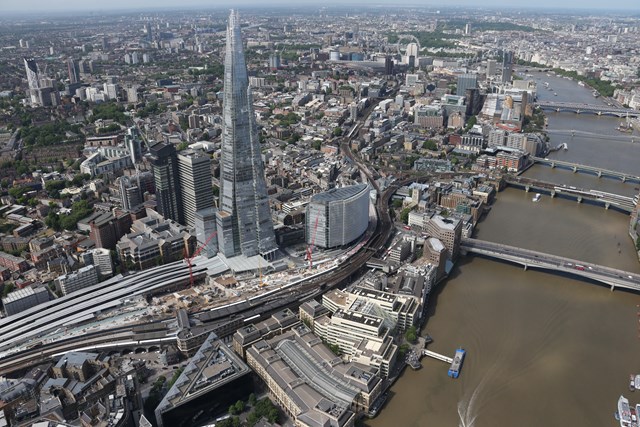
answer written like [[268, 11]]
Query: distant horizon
[[42, 7]]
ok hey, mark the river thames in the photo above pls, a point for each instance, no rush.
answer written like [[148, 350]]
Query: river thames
[[542, 349]]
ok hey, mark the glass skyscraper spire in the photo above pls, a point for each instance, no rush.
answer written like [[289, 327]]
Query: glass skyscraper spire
[[244, 219]]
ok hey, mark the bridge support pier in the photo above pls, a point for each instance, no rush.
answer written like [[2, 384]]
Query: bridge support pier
[[525, 267], [613, 287], [606, 205], [624, 178], [599, 174], [553, 165], [575, 169], [526, 189], [579, 199], [553, 194]]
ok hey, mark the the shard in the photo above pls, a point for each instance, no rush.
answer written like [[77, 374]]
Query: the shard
[[244, 219]]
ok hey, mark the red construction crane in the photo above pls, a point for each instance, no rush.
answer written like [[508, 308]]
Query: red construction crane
[[313, 241], [196, 253]]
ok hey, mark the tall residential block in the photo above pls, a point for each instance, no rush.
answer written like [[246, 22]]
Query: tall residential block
[[205, 227], [194, 171], [73, 70], [130, 194], [466, 81], [244, 219], [33, 78], [165, 171], [507, 66]]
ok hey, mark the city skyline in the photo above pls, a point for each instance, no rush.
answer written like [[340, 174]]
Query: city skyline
[[36, 6], [192, 216]]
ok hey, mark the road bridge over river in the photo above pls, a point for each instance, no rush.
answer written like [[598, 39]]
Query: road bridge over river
[[576, 167], [532, 259], [580, 108], [624, 204]]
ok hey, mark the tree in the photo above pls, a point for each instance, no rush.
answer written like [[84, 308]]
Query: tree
[[229, 422], [337, 131], [470, 123], [53, 220], [109, 111], [53, 188], [404, 215], [430, 145], [402, 350], [252, 399], [411, 334], [175, 376], [335, 349], [295, 137], [397, 203], [240, 406], [7, 288], [80, 179], [17, 192], [263, 408], [638, 244]]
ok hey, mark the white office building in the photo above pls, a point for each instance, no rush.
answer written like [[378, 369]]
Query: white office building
[[101, 258], [72, 282]]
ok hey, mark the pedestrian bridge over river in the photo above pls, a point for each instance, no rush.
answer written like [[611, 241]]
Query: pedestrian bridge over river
[[533, 259]]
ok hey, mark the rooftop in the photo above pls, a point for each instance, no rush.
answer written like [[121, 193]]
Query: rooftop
[[338, 194], [212, 366], [22, 293], [445, 223]]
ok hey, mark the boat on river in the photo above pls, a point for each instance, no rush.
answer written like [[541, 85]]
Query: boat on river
[[456, 365]]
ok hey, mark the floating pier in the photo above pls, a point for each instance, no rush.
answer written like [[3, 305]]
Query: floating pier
[[437, 356]]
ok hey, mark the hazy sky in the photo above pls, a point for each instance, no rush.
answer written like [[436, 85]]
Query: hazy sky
[[47, 5]]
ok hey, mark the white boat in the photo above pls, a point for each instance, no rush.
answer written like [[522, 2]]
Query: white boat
[[537, 197], [636, 382], [581, 84], [624, 412]]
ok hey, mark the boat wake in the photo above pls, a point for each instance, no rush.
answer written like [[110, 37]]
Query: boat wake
[[468, 410], [495, 381]]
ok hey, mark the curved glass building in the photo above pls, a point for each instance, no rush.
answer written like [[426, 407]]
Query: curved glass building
[[337, 217]]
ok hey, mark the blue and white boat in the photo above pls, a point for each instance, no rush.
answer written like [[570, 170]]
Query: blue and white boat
[[456, 364]]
